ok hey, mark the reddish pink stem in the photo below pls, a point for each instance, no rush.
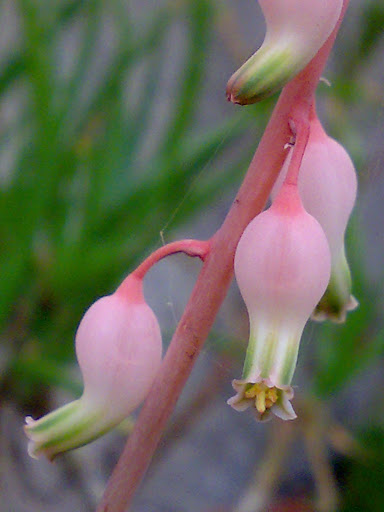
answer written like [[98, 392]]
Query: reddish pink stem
[[132, 286], [194, 248], [301, 126], [211, 287]]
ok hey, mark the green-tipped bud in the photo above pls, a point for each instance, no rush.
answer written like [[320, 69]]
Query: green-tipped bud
[[337, 300], [328, 189], [118, 346], [295, 32]]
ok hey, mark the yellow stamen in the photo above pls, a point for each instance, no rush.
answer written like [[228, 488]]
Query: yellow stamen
[[251, 392], [264, 396], [260, 402], [254, 390], [272, 394]]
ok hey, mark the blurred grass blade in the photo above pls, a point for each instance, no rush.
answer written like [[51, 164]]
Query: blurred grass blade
[[199, 15]]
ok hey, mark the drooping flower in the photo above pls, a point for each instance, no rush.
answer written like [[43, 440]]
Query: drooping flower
[[328, 189], [282, 267], [295, 31], [118, 347]]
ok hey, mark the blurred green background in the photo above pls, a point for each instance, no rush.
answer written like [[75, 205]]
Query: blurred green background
[[114, 130]]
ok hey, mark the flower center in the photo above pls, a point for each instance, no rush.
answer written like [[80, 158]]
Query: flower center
[[264, 396]]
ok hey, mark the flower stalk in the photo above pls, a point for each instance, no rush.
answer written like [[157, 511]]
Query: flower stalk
[[211, 286]]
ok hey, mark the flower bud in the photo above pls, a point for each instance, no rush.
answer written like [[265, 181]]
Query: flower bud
[[328, 188], [295, 31], [118, 347], [282, 267]]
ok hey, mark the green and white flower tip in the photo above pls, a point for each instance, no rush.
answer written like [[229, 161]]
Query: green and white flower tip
[[295, 31], [282, 267], [337, 300], [328, 189], [118, 347]]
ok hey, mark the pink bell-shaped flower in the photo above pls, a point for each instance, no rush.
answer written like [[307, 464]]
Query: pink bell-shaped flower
[[118, 347], [282, 267], [295, 31], [328, 189]]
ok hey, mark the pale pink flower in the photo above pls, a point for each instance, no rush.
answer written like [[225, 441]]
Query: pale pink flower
[[328, 189], [118, 347], [295, 31], [282, 267]]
